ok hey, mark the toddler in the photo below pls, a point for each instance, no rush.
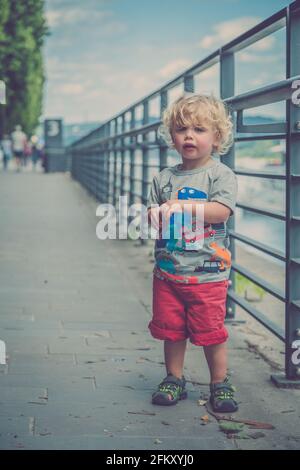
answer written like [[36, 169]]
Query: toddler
[[190, 277]]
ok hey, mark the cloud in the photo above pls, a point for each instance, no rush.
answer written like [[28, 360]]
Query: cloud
[[265, 78], [65, 20], [264, 44], [69, 68], [100, 80], [93, 90], [228, 30], [64, 16], [71, 89], [173, 68], [53, 18], [247, 57], [211, 72]]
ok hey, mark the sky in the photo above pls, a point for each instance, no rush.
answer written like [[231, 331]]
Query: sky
[[103, 55]]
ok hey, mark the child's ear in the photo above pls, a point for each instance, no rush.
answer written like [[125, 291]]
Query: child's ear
[[217, 140], [172, 145]]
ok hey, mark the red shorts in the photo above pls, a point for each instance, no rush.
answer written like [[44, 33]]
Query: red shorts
[[195, 311]]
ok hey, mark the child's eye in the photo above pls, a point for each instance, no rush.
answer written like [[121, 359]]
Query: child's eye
[[180, 129], [199, 129]]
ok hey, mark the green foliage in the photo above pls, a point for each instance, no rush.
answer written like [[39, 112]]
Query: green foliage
[[22, 32], [242, 284]]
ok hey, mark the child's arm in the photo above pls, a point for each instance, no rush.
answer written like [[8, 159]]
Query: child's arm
[[214, 212], [222, 198], [154, 199], [153, 216]]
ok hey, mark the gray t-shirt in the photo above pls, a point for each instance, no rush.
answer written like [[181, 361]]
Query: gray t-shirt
[[182, 261]]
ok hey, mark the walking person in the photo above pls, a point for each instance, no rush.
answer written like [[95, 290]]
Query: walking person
[[27, 152], [19, 139], [35, 155], [6, 147]]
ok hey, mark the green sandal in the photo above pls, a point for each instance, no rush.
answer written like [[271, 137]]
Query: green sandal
[[222, 397], [172, 387]]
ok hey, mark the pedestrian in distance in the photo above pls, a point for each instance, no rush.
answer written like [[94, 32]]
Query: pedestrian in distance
[[27, 153], [35, 155], [6, 147], [19, 139], [191, 273]]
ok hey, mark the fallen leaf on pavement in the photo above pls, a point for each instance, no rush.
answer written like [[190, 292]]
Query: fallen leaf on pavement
[[205, 418], [157, 441], [148, 413], [230, 427], [202, 402], [251, 423]]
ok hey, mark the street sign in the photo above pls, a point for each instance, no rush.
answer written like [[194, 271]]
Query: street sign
[[2, 92], [53, 133]]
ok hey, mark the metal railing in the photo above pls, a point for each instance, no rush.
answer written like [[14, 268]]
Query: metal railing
[[106, 162]]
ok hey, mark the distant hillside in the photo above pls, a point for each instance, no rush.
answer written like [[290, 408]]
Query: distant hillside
[[75, 131], [261, 119]]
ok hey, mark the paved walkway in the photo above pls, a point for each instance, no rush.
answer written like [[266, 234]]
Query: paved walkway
[[81, 364]]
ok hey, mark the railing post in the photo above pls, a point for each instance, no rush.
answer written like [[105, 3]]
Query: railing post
[[122, 181], [103, 167], [145, 160], [227, 90], [101, 190], [188, 84], [292, 271], [110, 163], [108, 172], [114, 180], [132, 159], [163, 150]]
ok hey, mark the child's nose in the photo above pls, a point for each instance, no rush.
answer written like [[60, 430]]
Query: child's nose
[[188, 132]]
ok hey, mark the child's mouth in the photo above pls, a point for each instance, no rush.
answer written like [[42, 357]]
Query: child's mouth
[[189, 146]]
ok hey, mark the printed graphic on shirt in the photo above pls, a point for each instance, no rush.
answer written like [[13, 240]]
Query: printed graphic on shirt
[[218, 262], [167, 188], [183, 234], [183, 255], [191, 241]]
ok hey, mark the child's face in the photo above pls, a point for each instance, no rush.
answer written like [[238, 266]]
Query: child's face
[[194, 142]]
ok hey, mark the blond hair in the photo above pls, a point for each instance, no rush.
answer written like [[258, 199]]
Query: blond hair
[[199, 109]]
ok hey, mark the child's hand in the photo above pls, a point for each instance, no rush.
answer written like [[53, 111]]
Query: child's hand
[[172, 206], [153, 217], [169, 207]]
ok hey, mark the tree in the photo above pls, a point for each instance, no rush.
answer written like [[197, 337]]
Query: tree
[[22, 32]]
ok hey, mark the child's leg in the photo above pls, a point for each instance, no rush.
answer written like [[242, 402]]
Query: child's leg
[[221, 391], [169, 324], [216, 356], [174, 357], [172, 388]]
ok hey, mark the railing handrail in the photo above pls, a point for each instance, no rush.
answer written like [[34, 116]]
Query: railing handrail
[[245, 100]]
